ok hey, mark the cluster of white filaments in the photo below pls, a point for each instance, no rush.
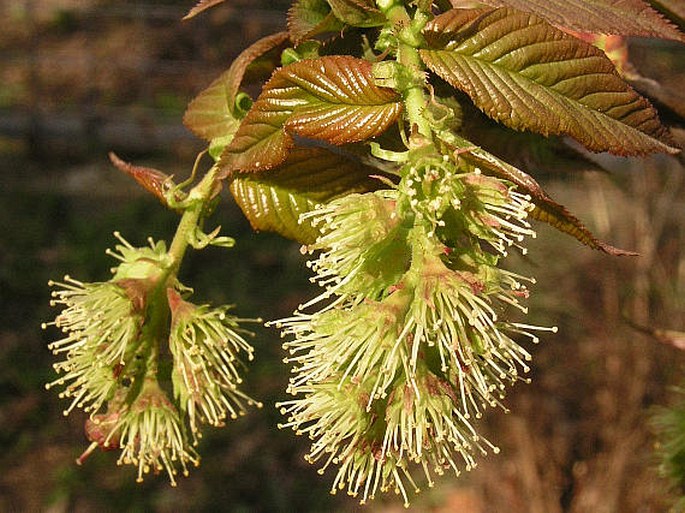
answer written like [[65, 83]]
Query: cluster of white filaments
[[150, 434], [205, 343], [359, 232], [353, 445], [490, 209], [99, 325], [390, 374]]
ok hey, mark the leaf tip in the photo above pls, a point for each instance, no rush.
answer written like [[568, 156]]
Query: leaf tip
[[614, 251], [202, 5], [152, 180]]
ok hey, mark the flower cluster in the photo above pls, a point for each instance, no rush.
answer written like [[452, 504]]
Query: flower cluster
[[205, 343], [111, 350], [362, 246], [412, 342]]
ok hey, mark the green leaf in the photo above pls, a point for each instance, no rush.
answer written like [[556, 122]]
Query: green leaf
[[308, 18], [528, 75], [546, 209], [622, 17], [275, 200], [333, 99], [358, 13], [213, 113]]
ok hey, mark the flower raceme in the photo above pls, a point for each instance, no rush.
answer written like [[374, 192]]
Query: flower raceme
[[110, 350], [412, 342]]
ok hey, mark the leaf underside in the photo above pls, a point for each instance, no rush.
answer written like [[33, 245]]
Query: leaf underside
[[358, 13], [524, 73], [530, 152], [559, 217], [211, 114], [333, 99], [308, 18], [274, 201], [621, 17], [673, 9]]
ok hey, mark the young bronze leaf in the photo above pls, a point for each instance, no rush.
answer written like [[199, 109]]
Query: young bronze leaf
[[212, 113], [358, 13], [546, 209], [275, 200], [528, 75], [560, 218], [308, 18], [343, 103], [622, 17], [333, 99], [152, 180]]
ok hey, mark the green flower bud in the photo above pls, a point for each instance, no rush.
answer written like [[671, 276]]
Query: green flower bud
[[145, 263]]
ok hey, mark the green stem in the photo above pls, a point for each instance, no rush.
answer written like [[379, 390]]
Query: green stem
[[197, 202], [410, 40], [155, 328]]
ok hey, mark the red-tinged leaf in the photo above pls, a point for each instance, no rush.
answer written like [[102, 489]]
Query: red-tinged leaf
[[212, 113], [668, 337], [308, 18], [152, 180], [546, 209], [202, 5], [358, 13], [621, 17], [560, 218], [532, 153], [528, 75], [333, 99], [275, 200], [674, 10]]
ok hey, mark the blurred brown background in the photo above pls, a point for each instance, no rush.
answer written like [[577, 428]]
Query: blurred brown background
[[81, 77]]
